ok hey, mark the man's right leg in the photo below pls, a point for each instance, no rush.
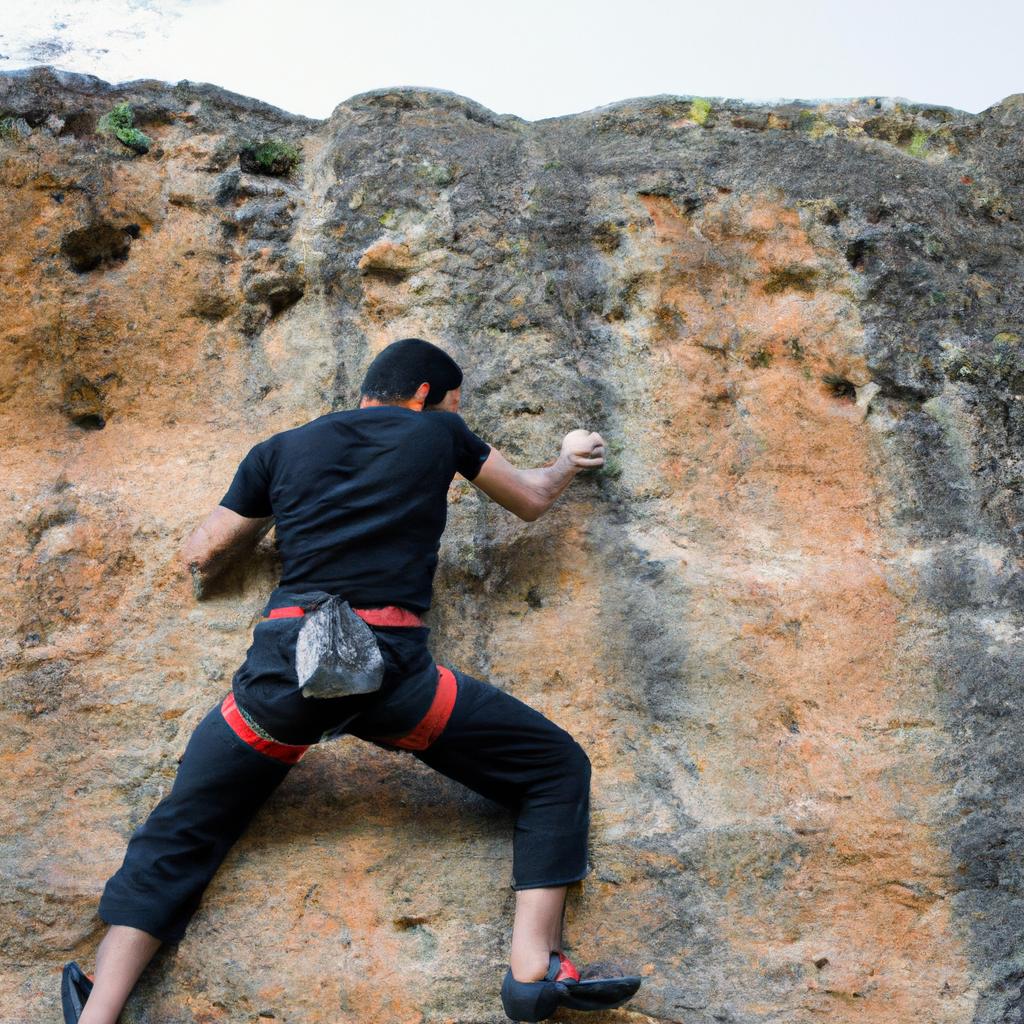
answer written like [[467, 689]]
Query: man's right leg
[[222, 781]]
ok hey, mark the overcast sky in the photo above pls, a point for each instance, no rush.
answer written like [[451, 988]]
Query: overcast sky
[[536, 58]]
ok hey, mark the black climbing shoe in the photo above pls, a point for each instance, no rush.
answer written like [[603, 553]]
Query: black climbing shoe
[[75, 987], [564, 985]]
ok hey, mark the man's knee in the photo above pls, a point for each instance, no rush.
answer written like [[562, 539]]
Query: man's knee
[[578, 764]]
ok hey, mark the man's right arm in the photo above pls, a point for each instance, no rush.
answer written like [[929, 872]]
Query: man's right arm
[[216, 540], [529, 493]]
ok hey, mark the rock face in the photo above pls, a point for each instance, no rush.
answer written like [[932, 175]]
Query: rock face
[[785, 620]]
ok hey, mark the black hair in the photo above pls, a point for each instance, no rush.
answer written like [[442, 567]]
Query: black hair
[[398, 370]]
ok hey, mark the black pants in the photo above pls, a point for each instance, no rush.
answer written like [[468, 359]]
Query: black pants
[[493, 743]]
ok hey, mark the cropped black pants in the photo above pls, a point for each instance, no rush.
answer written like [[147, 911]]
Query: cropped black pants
[[490, 742]]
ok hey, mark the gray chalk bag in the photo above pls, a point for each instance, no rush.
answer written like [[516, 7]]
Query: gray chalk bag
[[336, 653]]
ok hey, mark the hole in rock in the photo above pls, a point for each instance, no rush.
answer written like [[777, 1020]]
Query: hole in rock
[[89, 421], [840, 386], [856, 253], [97, 244]]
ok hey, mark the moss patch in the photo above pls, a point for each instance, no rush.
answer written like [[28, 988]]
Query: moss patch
[[700, 110], [272, 156], [997, 365], [120, 122], [918, 143], [13, 128]]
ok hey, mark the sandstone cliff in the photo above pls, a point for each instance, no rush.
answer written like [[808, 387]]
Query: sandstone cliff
[[785, 620]]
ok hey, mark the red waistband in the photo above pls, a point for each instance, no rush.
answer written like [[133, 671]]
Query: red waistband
[[391, 615]]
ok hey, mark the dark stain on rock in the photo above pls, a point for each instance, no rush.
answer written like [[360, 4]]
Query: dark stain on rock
[[791, 278]]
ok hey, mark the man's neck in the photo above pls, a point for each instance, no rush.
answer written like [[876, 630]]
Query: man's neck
[[410, 403]]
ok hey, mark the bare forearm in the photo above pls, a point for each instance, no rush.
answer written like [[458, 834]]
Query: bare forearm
[[529, 493], [216, 540], [546, 483]]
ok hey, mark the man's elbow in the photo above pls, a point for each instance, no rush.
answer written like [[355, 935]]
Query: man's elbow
[[531, 511]]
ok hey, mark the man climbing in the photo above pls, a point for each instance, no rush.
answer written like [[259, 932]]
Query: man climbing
[[359, 502]]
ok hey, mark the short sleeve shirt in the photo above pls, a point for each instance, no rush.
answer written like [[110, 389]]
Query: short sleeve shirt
[[359, 499]]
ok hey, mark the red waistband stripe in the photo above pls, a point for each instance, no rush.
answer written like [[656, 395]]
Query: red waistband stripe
[[432, 724], [287, 752], [391, 615]]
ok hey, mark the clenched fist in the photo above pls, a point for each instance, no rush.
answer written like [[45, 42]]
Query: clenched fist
[[583, 448]]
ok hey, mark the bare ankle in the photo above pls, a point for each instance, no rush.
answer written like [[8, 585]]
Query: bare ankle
[[532, 966]]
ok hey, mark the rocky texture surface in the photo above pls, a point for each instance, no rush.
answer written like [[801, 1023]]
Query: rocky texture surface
[[785, 620]]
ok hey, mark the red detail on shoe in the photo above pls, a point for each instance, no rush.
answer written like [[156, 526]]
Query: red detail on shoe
[[567, 970], [288, 753], [431, 725], [390, 615]]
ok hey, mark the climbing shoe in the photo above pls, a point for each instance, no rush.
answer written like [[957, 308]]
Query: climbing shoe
[[75, 987], [596, 988]]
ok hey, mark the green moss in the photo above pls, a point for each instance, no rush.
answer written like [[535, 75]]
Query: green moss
[[437, 174], [700, 110], [996, 366], [389, 218], [918, 144], [120, 122], [612, 468], [270, 156], [762, 357], [815, 124]]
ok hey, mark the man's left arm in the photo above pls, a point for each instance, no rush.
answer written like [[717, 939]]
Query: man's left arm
[[529, 493]]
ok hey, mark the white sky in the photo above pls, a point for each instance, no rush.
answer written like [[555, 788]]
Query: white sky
[[536, 58]]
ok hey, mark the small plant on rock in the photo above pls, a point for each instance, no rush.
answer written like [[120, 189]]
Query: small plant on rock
[[272, 157], [120, 122]]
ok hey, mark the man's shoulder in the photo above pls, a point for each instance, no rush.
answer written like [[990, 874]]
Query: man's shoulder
[[450, 420]]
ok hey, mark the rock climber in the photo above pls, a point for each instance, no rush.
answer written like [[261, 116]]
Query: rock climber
[[358, 499]]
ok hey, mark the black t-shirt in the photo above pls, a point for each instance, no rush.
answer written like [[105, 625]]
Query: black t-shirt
[[359, 499]]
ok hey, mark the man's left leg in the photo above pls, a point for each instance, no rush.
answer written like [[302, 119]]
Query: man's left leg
[[505, 750]]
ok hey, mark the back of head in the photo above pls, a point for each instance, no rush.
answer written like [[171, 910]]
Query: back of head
[[398, 370]]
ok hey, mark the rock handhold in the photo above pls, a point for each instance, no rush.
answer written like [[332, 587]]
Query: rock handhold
[[279, 289], [387, 259], [85, 401]]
